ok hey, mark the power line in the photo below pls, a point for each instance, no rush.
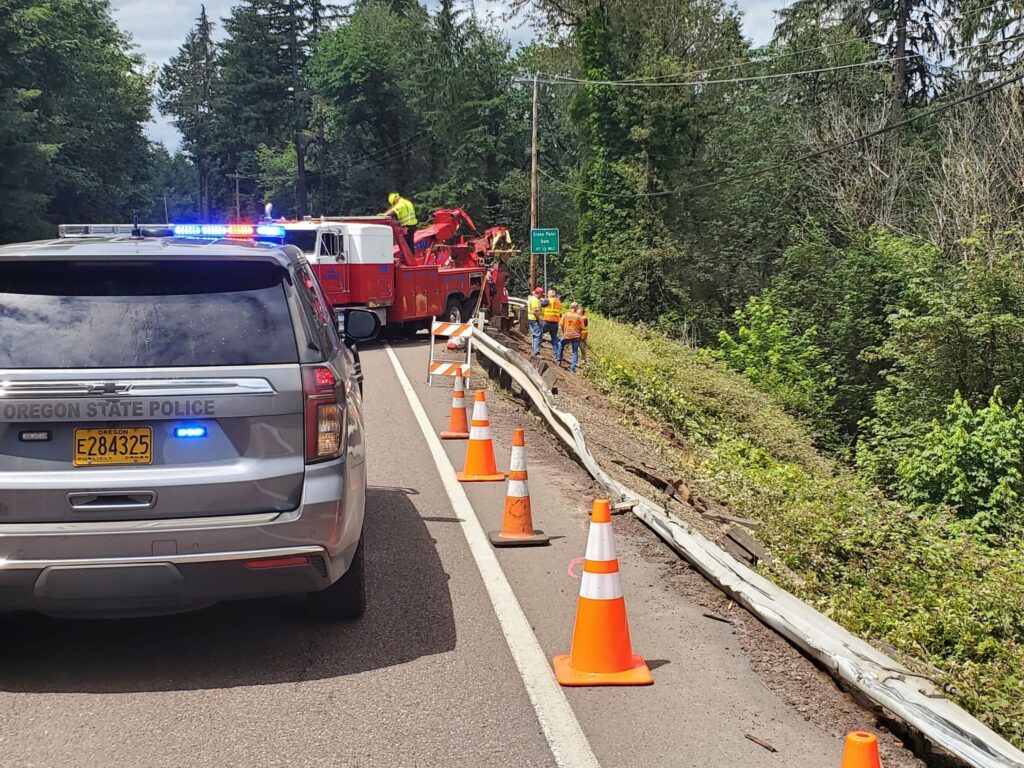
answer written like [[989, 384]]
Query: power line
[[565, 80], [803, 158], [782, 55]]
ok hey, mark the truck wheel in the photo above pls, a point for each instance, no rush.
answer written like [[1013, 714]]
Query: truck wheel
[[453, 311], [345, 599]]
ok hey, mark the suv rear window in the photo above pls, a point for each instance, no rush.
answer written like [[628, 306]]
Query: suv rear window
[[126, 314]]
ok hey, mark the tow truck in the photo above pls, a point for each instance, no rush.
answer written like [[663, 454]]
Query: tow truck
[[366, 262]]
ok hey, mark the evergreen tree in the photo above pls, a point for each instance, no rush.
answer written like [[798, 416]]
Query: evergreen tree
[[262, 97], [74, 98], [187, 84]]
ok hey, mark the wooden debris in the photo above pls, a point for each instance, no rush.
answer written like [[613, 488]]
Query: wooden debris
[[716, 618], [737, 551], [621, 507], [650, 474], [742, 538], [760, 742], [721, 517]]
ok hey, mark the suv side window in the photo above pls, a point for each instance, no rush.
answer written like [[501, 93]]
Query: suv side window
[[312, 297]]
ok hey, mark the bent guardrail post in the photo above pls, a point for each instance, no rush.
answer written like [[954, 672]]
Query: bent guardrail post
[[912, 699]]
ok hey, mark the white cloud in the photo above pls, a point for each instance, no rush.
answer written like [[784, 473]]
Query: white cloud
[[159, 28], [759, 19]]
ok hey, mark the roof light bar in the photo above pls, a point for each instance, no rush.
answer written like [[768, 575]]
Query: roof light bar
[[239, 231]]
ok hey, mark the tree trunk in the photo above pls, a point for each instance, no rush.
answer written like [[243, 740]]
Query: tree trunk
[[301, 195], [899, 91]]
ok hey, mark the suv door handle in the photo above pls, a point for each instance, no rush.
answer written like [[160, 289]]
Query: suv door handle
[[110, 502]]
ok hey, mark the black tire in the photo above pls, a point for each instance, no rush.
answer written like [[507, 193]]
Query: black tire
[[453, 311], [345, 599]]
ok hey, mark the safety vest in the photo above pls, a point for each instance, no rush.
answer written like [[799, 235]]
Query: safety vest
[[553, 311], [533, 307], [405, 212], [586, 329], [572, 325]]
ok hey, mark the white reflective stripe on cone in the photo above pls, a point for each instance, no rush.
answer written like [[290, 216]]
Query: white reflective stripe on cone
[[600, 586], [519, 489], [479, 433], [518, 462], [480, 411], [458, 402], [600, 542]]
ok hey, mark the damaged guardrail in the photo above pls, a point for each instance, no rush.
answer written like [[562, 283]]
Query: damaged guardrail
[[911, 698]]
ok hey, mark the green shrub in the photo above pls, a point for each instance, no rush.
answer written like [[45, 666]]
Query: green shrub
[[972, 461], [778, 361], [880, 569]]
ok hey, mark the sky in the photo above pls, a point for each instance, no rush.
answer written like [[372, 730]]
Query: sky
[[159, 28]]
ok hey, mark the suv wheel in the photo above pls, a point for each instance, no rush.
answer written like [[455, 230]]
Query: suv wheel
[[453, 312], [345, 599]]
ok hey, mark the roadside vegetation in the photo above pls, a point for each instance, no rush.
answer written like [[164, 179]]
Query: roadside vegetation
[[910, 575]]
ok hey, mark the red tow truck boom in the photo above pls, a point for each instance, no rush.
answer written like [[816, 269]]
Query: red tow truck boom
[[367, 262]]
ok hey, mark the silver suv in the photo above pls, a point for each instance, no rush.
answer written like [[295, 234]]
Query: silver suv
[[179, 424]]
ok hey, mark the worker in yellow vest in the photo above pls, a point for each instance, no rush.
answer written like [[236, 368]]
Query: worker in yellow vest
[[403, 210], [536, 314], [552, 314], [572, 330]]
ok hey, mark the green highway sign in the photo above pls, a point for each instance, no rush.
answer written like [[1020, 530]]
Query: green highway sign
[[543, 241]]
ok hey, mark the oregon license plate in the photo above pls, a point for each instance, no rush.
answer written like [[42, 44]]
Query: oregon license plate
[[101, 447]]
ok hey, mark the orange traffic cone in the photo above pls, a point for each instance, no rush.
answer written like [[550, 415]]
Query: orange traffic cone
[[458, 427], [601, 651], [861, 751], [517, 526], [480, 465]]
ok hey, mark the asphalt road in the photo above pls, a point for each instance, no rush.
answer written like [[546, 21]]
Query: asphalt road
[[427, 677]]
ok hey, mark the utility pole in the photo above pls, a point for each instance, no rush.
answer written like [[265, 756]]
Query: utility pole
[[167, 216], [534, 187], [238, 200]]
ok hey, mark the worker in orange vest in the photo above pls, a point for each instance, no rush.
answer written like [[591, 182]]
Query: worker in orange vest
[[571, 326], [552, 314]]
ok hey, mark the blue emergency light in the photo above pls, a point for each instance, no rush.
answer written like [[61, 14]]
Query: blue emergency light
[[190, 432]]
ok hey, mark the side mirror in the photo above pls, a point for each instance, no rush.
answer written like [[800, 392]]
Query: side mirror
[[360, 325]]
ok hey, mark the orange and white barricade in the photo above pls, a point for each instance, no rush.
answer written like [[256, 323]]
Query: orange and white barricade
[[443, 367]]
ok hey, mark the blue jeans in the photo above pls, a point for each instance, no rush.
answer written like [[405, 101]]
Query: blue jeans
[[575, 344], [556, 344], [537, 330]]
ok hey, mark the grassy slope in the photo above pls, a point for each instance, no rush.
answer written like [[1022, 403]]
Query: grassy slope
[[867, 563]]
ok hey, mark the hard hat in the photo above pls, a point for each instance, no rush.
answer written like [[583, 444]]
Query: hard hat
[[393, 197], [539, 291]]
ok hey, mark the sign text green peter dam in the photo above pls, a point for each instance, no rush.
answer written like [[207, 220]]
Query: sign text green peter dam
[[543, 241]]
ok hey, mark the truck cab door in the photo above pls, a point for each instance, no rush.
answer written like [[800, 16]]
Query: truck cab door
[[333, 265]]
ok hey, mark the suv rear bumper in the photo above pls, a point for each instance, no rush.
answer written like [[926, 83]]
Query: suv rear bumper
[[163, 566]]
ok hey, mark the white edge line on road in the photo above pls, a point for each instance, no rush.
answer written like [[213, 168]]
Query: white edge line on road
[[562, 730]]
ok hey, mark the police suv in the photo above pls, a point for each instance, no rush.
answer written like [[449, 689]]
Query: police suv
[[180, 423]]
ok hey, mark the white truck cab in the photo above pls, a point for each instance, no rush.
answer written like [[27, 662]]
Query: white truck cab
[[353, 260]]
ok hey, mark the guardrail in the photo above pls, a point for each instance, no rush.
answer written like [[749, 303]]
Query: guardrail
[[908, 696]]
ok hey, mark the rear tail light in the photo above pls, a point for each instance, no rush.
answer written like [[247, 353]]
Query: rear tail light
[[325, 415]]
